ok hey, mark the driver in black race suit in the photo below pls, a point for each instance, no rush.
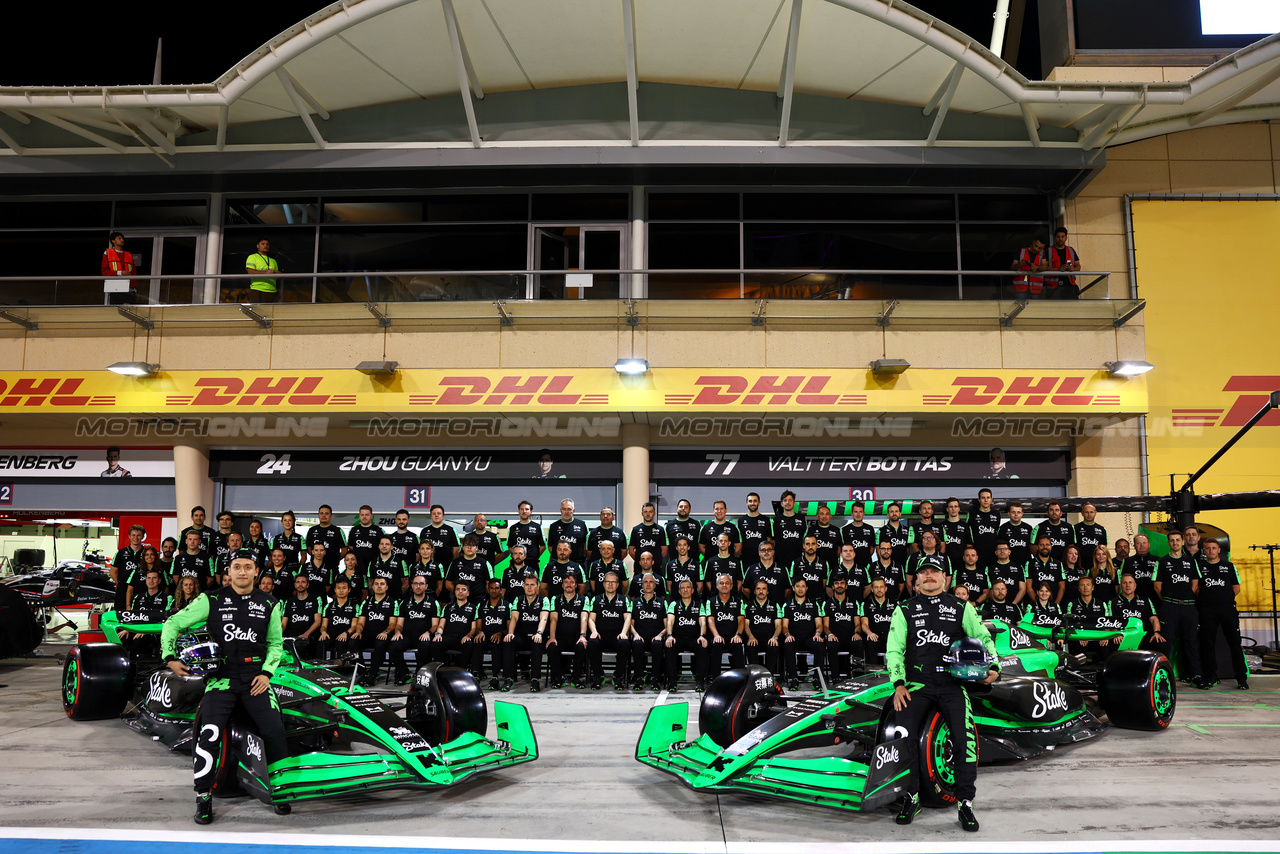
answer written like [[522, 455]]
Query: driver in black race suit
[[920, 635], [246, 624]]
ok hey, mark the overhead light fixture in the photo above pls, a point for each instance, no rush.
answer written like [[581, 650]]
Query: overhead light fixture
[[631, 367], [889, 366], [134, 369], [1127, 369], [378, 369]]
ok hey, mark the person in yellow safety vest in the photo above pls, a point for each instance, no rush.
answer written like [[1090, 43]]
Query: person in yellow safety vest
[[117, 262], [262, 289]]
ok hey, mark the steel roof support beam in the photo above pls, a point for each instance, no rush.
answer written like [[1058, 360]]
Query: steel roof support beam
[[1100, 129], [629, 33], [16, 115], [11, 142], [932, 103], [945, 103], [223, 113], [1033, 126], [157, 136], [306, 96], [787, 81], [1232, 100], [460, 61], [300, 106], [80, 132]]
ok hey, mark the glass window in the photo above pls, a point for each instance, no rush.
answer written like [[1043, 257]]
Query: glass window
[[993, 247], [572, 207], [847, 206], [478, 207], [873, 246], [693, 206], [681, 246], [272, 212], [56, 215], [991, 208], [161, 213], [292, 248], [68, 253]]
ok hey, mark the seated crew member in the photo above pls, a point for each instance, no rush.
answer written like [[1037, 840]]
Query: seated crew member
[[1089, 607], [801, 630], [418, 613], [456, 626], [968, 574], [771, 573], [568, 633], [1044, 611], [280, 571], [151, 604], [885, 567], [381, 623], [763, 628], [877, 611], [603, 565], [609, 629], [686, 628], [1044, 567], [557, 568], [998, 607], [1072, 571], [340, 627], [648, 631], [267, 584], [350, 570], [811, 568], [470, 567], [492, 616], [723, 562], [841, 627], [302, 616], [961, 592], [189, 587], [683, 566], [853, 572], [425, 565], [1130, 603], [1013, 575], [724, 614], [386, 565], [526, 631]]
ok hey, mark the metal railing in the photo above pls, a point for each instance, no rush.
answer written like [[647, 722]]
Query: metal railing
[[391, 286]]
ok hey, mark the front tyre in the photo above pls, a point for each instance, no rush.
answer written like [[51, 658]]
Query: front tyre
[[97, 680], [738, 702], [1137, 690], [445, 702]]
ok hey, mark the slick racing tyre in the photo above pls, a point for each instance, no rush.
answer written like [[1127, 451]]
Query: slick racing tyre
[[445, 702], [937, 761], [1137, 690], [738, 702], [97, 681]]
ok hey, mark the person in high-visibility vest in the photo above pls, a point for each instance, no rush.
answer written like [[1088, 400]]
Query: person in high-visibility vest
[[1062, 258], [262, 289], [117, 262], [1030, 260]]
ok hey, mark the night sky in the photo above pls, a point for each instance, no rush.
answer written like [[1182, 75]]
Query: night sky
[[117, 45]]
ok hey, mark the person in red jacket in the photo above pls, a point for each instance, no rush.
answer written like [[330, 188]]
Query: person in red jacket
[[117, 262]]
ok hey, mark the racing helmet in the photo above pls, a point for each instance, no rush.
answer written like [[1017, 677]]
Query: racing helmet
[[968, 659], [202, 657]]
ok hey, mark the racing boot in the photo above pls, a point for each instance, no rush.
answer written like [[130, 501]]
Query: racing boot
[[910, 808], [965, 814], [204, 808]]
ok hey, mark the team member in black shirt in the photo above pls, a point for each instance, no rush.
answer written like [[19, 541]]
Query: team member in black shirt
[[774, 575], [1104, 574], [381, 613], [1089, 534], [350, 570], [569, 530], [1059, 531], [456, 627], [191, 562], [763, 627], [828, 536], [997, 606], [1044, 610], [316, 570], [302, 615], [685, 628], [1044, 567], [219, 566], [607, 532], [568, 633], [1090, 608], [553, 576], [470, 568], [226, 524], [1013, 575], [609, 629], [488, 546], [1017, 534], [897, 535], [754, 528], [955, 534], [526, 631], [404, 543], [802, 630], [513, 576], [984, 525], [425, 564], [418, 614], [151, 604], [257, 544], [441, 536], [860, 535], [929, 552], [684, 525], [723, 613], [886, 568], [328, 535], [925, 524], [842, 626], [815, 571], [340, 628], [969, 574], [1219, 587], [855, 573], [648, 537], [719, 524], [648, 631], [528, 534], [1129, 603], [788, 530], [386, 565], [1143, 565], [204, 532], [722, 562], [877, 613], [289, 540], [125, 564], [492, 616], [603, 565], [683, 565]]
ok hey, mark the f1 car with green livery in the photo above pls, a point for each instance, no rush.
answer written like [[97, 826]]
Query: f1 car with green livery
[[841, 747], [342, 739]]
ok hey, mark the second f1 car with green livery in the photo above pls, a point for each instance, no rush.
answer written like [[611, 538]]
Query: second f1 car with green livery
[[342, 738], [841, 747]]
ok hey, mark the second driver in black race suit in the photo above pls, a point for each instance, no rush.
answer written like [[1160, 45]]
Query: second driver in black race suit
[[245, 623], [920, 636]]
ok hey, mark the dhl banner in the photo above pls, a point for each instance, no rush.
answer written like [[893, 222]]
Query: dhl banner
[[1211, 333], [578, 390]]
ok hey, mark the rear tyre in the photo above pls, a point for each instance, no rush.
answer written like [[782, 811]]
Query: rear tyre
[[445, 702], [1137, 690], [97, 681], [737, 702]]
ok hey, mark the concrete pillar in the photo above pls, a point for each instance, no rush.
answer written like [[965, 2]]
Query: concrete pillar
[[213, 255], [191, 481], [639, 287], [635, 473]]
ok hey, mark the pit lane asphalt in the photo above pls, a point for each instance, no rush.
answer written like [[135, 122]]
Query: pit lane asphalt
[[1214, 775]]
